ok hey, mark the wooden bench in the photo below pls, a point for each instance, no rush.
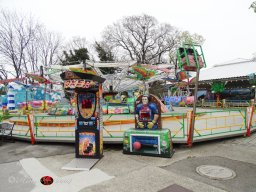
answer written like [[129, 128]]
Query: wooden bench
[[6, 131]]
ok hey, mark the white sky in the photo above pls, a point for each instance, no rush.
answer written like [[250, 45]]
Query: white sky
[[228, 26]]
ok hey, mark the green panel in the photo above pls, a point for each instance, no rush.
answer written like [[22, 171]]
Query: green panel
[[152, 142]]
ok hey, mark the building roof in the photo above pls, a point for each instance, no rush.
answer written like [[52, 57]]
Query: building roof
[[232, 69]]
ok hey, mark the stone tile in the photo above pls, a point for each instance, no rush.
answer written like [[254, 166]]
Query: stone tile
[[175, 188]]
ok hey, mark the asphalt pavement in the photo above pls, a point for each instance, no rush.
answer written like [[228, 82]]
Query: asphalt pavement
[[140, 173]]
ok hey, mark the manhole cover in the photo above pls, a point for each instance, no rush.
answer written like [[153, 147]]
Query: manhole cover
[[215, 172]]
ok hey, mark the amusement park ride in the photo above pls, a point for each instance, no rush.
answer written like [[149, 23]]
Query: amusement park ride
[[148, 137], [140, 122], [189, 59], [128, 77]]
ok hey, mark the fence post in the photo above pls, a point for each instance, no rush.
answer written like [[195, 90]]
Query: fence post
[[252, 102], [31, 128], [249, 115], [189, 127], [203, 101], [36, 124], [223, 103]]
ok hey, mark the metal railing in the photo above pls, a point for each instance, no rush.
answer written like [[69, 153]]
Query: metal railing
[[207, 124], [219, 122], [224, 103]]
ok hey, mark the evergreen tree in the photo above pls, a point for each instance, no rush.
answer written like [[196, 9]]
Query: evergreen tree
[[75, 56], [104, 55]]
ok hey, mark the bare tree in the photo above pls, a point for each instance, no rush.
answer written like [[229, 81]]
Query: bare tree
[[3, 73], [43, 50], [254, 56], [30, 58], [16, 32], [49, 47], [142, 38], [253, 6], [77, 43], [25, 44]]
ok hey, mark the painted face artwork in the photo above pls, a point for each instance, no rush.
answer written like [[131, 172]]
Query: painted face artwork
[[144, 100]]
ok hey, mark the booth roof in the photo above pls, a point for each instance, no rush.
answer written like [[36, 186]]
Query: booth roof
[[236, 68]]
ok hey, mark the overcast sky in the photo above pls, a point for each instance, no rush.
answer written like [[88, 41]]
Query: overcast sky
[[228, 26]]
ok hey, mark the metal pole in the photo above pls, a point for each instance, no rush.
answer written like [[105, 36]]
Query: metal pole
[[26, 95], [254, 100], [44, 97], [41, 71], [42, 75], [194, 108], [254, 93], [84, 64]]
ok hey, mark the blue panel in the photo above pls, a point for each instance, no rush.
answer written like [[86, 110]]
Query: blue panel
[[145, 140]]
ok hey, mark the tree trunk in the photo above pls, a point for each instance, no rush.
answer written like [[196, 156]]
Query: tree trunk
[[218, 99]]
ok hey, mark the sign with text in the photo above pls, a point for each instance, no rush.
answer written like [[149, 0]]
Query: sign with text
[[79, 83]]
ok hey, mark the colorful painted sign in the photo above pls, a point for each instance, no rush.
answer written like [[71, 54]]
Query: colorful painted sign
[[87, 146], [147, 112], [86, 104], [79, 83]]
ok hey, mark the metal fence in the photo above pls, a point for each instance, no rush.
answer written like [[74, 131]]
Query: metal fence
[[224, 103], [253, 127], [208, 125], [219, 123]]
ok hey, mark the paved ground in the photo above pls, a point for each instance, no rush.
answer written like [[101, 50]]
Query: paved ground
[[140, 173]]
